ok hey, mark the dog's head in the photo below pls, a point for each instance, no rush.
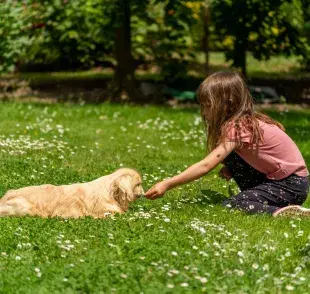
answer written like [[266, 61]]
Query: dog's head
[[126, 186]]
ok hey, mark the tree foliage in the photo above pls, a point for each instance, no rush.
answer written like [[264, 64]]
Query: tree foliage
[[264, 27], [305, 6], [73, 34], [14, 36], [69, 34]]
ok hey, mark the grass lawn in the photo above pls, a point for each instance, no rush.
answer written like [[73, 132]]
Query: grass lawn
[[182, 243], [276, 67]]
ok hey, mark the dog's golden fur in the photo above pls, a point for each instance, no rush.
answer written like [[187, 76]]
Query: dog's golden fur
[[107, 195]]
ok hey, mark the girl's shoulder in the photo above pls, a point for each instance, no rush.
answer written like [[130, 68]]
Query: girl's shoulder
[[236, 131]]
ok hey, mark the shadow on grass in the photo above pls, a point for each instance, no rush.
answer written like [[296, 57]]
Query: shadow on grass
[[212, 197]]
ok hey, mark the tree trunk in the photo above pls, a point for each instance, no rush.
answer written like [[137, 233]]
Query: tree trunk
[[125, 69], [205, 41], [239, 54]]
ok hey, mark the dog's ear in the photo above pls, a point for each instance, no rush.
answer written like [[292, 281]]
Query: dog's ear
[[122, 187]]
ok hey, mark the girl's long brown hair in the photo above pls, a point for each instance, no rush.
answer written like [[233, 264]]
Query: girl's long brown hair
[[224, 100]]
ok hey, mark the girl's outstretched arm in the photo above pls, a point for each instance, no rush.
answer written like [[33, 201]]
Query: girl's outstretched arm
[[194, 172]]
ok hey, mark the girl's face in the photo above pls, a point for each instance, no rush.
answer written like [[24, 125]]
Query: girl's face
[[205, 111]]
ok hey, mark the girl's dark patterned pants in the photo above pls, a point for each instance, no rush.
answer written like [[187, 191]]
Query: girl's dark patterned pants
[[259, 194]]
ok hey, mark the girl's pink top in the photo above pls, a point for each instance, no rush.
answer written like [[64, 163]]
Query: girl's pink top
[[277, 156]]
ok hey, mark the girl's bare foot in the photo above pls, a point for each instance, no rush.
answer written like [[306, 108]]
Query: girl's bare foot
[[292, 210]]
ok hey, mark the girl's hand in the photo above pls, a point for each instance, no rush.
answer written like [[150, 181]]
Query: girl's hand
[[157, 191], [225, 173]]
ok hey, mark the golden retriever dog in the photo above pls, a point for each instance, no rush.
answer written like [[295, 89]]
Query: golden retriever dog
[[99, 198]]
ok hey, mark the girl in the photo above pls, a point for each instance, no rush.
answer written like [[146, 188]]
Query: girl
[[256, 152]]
